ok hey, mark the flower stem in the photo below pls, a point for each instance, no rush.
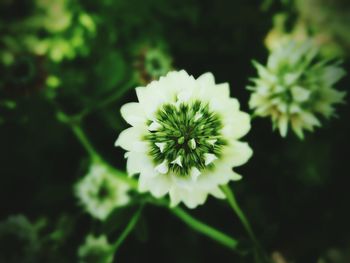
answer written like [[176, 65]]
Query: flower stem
[[204, 228], [199, 226], [259, 252], [80, 134], [108, 100], [132, 223], [85, 142]]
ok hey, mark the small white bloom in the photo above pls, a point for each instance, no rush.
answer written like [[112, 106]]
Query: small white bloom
[[212, 142], [294, 88], [101, 191], [161, 146], [96, 249], [154, 126], [178, 161], [200, 125], [209, 158], [192, 144], [198, 116]]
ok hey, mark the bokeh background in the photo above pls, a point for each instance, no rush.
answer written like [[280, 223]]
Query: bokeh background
[[88, 56]]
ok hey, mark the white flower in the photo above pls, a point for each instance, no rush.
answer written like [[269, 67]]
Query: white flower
[[195, 145], [96, 249], [294, 88], [101, 191]]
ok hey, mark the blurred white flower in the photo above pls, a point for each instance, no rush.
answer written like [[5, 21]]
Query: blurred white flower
[[294, 88], [101, 191], [184, 137], [96, 249]]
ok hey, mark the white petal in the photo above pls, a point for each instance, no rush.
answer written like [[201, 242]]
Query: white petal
[[237, 153], [160, 185], [174, 197], [131, 140], [209, 158], [154, 126], [223, 90], [309, 119], [138, 162], [221, 175], [217, 193], [297, 127], [195, 173], [184, 95], [151, 97], [195, 198], [283, 125], [133, 113], [144, 183], [206, 79], [163, 167], [300, 94], [234, 176], [236, 125]]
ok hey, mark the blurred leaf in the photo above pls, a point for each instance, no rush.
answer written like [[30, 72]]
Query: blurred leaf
[[111, 71]]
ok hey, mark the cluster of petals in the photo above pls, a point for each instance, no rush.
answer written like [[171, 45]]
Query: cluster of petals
[[179, 87]]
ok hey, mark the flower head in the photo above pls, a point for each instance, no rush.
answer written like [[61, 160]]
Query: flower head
[[294, 88], [96, 249], [152, 61], [101, 191], [184, 139]]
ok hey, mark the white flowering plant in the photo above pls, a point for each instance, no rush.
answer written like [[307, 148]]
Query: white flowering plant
[[295, 88], [120, 119]]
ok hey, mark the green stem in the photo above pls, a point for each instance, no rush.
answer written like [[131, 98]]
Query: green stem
[[199, 226], [109, 100], [205, 229], [85, 142], [135, 218], [122, 175], [259, 252]]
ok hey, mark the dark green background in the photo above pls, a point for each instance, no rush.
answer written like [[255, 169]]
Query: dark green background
[[296, 193]]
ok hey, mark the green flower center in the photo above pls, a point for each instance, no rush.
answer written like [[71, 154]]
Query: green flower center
[[105, 191], [185, 136]]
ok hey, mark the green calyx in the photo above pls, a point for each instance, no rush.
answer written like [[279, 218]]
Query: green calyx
[[186, 137]]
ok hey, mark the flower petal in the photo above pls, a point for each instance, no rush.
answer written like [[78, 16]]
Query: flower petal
[[237, 153], [133, 113], [131, 140]]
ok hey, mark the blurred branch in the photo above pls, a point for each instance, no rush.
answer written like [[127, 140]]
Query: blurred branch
[[260, 255], [108, 100], [131, 225]]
